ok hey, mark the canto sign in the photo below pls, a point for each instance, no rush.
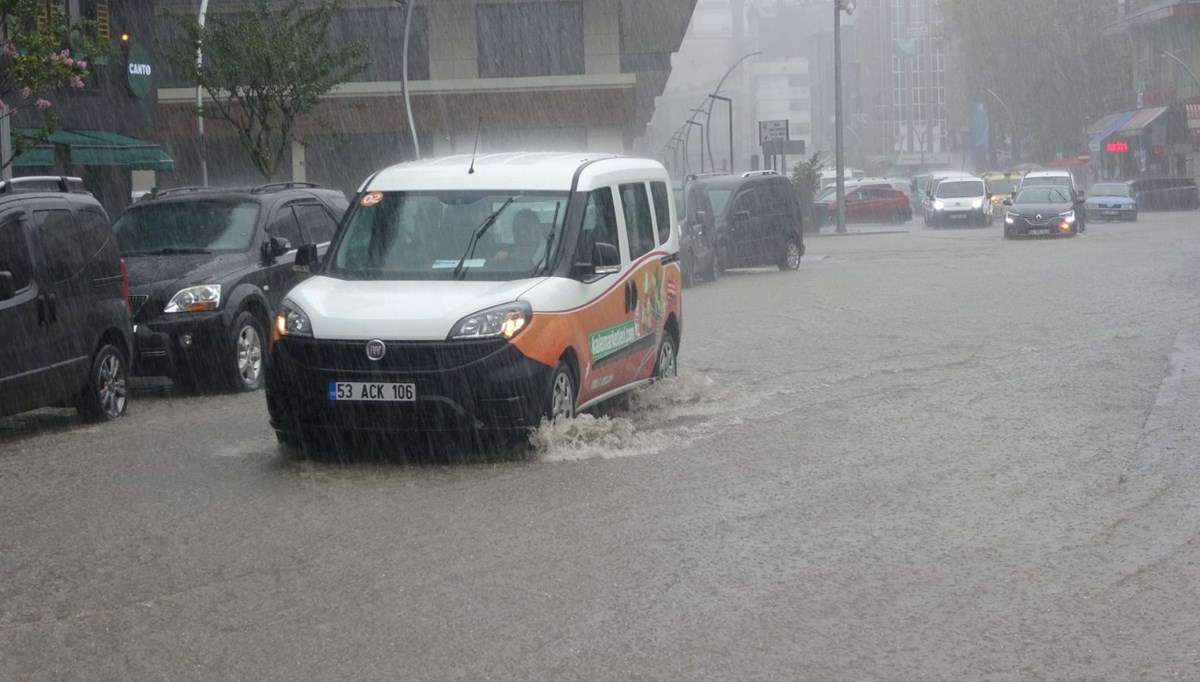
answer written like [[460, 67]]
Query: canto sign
[[140, 71]]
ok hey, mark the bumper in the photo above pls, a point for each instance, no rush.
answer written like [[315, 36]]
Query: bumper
[[959, 216], [1111, 213], [461, 386], [190, 344]]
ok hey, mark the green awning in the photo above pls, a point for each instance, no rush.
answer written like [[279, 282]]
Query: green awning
[[96, 148]]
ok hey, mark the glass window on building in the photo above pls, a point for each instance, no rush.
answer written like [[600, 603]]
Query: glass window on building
[[530, 39]]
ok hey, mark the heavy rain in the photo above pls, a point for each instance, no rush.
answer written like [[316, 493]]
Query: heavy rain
[[599, 339]]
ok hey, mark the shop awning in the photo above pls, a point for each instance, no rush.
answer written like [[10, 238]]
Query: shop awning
[[1144, 117], [1193, 116], [97, 148], [1100, 130]]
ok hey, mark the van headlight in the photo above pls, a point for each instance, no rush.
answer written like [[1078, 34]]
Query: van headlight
[[292, 321], [939, 205], [977, 204], [504, 321], [195, 299], [1069, 216]]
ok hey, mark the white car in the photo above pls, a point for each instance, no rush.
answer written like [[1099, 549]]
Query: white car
[[960, 201], [481, 295]]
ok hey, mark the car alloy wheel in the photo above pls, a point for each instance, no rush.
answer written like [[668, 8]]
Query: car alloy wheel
[[791, 255], [106, 395], [667, 366], [562, 394], [247, 365]]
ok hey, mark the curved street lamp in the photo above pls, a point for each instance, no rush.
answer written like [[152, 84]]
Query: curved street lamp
[[1012, 122], [412, 127], [1195, 81], [839, 6], [715, 96]]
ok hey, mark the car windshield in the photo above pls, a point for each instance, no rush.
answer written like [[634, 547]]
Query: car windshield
[[1047, 181], [1002, 185], [1042, 195], [200, 226], [957, 189], [1110, 189], [429, 235]]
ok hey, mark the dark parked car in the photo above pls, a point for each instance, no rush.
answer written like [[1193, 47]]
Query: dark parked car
[[697, 234], [758, 219], [1166, 194], [1111, 201], [1042, 210], [209, 267], [64, 310]]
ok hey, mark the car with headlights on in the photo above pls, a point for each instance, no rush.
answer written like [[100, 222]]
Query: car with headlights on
[[207, 269], [1042, 210], [1111, 201], [960, 201]]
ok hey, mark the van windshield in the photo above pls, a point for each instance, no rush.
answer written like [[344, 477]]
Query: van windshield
[[957, 189], [428, 235]]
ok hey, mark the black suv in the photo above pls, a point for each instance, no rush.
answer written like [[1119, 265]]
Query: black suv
[[1159, 194], [65, 333], [209, 267], [758, 219]]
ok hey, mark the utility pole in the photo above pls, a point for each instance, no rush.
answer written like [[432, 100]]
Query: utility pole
[[839, 6]]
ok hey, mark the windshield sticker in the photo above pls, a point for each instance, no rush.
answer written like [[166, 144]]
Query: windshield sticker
[[612, 339], [370, 199], [443, 264]]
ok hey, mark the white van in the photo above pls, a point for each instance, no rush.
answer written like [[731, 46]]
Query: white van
[[482, 294]]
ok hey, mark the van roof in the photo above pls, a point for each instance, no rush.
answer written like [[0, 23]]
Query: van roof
[[534, 171]]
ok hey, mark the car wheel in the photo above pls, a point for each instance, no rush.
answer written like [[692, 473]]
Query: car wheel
[[713, 267], [562, 394], [246, 361], [687, 268], [790, 258], [720, 259], [105, 397], [667, 364]]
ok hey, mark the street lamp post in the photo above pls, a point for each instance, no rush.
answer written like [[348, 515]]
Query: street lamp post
[[1012, 122], [839, 6], [200, 99], [715, 96], [412, 128], [1195, 81], [701, 140]]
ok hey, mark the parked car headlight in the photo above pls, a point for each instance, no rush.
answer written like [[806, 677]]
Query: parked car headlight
[[505, 321], [1069, 216], [195, 299], [1010, 217], [939, 205], [292, 321]]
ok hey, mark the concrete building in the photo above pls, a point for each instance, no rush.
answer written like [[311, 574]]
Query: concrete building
[[516, 74]]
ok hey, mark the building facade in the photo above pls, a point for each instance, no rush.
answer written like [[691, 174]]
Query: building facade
[[503, 74]]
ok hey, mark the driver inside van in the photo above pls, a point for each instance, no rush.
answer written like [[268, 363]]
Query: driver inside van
[[529, 238]]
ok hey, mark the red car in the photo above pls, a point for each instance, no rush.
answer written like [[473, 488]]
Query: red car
[[870, 204]]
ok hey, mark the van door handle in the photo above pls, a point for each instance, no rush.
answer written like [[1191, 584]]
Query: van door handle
[[53, 308], [41, 310]]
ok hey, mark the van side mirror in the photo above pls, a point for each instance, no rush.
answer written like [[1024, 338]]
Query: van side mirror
[[307, 258], [8, 287], [603, 259], [1007, 202], [702, 217], [741, 216]]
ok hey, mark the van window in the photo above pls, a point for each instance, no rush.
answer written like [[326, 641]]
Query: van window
[[662, 211], [599, 221], [14, 254], [94, 228], [441, 235], [59, 241], [316, 225], [639, 226]]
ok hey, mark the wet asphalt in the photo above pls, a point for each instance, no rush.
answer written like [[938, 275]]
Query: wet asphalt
[[926, 455]]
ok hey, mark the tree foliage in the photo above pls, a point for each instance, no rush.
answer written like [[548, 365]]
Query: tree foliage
[[264, 68], [1052, 63], [36, 62]]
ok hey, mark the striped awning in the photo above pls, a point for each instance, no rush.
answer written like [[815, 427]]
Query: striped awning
[[1144, 117], [1193, 116]]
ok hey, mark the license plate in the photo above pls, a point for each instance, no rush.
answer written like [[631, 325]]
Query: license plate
[[1110, 213], [1039, 232], [958, 216], [368, 391]]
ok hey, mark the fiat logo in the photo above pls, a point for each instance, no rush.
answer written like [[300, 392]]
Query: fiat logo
[[376, 350], [1039, 216]]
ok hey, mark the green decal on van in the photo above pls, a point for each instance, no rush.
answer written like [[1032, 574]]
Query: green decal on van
[[612, 339]]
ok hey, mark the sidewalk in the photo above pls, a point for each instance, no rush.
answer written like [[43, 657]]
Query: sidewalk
[[859, 230]]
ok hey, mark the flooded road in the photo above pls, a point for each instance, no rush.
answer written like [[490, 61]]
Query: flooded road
[[931, 454]]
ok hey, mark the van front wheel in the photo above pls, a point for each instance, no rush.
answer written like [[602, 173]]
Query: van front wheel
[[667, 366], [790, 258], [562, 394]]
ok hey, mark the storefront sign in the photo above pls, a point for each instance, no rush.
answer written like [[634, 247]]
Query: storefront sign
[[1117, 147], [140, 71]]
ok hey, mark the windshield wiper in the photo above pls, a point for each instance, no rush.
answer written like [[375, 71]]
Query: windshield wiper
[[169, 251], [476, 235]]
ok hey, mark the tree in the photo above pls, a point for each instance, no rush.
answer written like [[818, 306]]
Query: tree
[[264, 68], [806, 177], [1052, 62], [35, 63]]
